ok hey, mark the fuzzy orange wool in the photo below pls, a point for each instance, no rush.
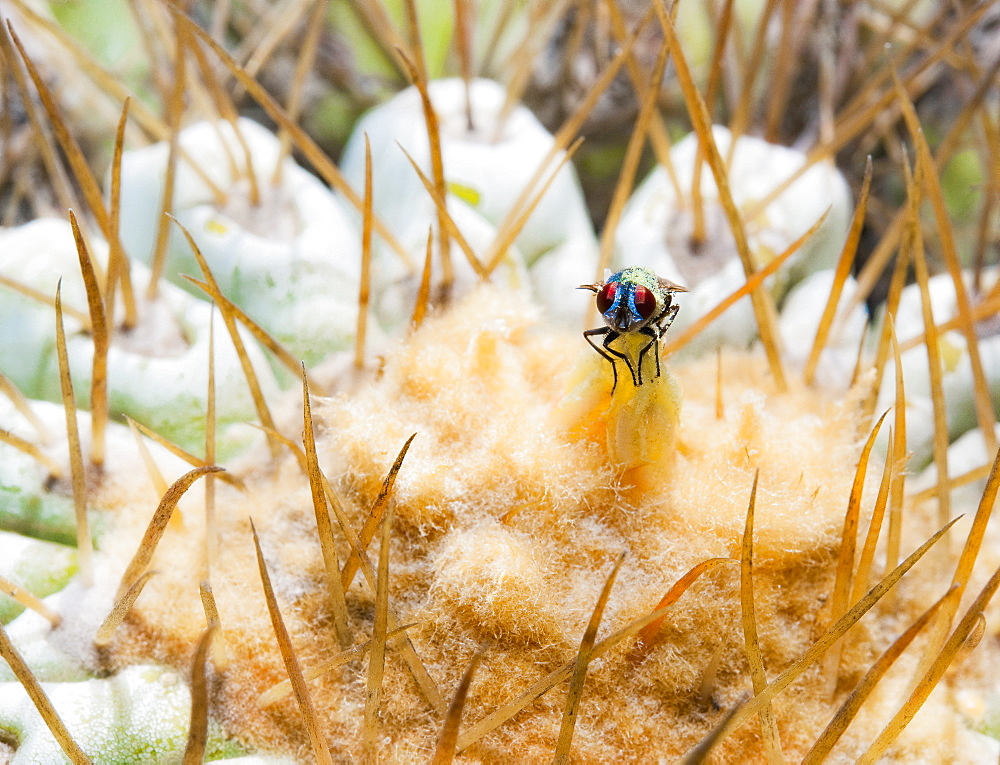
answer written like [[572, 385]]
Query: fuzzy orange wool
[[505, 527]]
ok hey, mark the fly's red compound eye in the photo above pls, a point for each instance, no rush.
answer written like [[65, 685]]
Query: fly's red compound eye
[[606, 297], [645, 302]]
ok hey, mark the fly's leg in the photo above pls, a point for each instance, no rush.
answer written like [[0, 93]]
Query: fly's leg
[[609, 353], [589, 333], [612, 336], [654, 342], [667, 319], [656, 331]]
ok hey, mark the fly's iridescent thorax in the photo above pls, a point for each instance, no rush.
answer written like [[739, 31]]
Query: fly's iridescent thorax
[[631, 298]]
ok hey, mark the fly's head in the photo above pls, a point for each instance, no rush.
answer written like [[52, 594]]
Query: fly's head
[[632, 298]]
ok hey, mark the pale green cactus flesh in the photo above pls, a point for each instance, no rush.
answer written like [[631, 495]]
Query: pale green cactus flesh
[[138, 716]]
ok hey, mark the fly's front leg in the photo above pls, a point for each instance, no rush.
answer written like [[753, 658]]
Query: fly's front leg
[[656, 331], [609, 336], [610, 353], [654, 342], [612, 336]]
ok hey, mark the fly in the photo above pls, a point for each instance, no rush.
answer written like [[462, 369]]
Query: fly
[[633, 301]]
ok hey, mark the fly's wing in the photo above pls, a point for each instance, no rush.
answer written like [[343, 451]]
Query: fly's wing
[[597, 286], [670, 286]]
